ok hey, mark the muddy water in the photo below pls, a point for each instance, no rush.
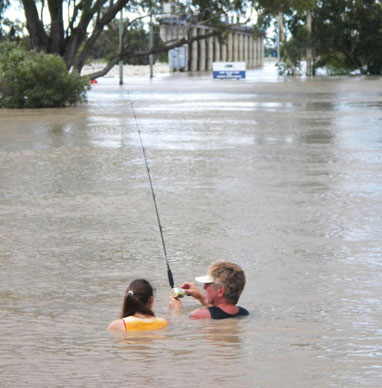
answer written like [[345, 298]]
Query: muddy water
[[281, 176]]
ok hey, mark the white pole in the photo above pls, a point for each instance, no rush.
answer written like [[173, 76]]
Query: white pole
[[278, 45], [151, 45], [120, 47]]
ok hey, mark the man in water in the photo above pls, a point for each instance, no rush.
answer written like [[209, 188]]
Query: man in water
[[222, 285]]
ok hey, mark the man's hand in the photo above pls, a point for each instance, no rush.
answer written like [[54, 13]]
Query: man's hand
[[175, 304], [193, 290]]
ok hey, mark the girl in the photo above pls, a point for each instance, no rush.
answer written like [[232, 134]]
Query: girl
[[136, 310]]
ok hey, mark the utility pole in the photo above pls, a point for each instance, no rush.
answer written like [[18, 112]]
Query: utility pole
[[278, 43], [120, 47], [151, 44], [309, 45]]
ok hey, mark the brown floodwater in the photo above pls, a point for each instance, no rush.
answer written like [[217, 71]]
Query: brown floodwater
[[282, 176]]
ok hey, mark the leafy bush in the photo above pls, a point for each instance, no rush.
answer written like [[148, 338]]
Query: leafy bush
[[335, 63], [35, 80]]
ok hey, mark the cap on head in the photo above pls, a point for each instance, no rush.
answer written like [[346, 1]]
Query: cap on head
[[205, 279], [226, 274]]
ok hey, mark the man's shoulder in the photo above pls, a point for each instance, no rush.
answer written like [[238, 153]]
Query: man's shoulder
[[202, 313]]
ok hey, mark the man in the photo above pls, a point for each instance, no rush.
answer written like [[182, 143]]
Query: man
[[222, 285]]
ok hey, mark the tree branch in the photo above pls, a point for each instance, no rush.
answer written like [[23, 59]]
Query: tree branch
[[38, 36], [125, 30], [155, 50], [108, 16], [105, 70], [78, 35]]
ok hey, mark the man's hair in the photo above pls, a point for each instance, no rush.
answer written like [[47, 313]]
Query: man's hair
[[229, 275]]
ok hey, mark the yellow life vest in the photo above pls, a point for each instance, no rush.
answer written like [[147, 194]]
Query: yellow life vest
[[135, 324]]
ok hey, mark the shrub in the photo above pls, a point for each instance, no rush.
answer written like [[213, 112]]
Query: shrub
[[35, 80]]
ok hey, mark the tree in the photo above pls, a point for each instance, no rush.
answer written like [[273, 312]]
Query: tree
[[87, 19], [348, 35], [343, 35], [137, 39], [3, 6], [286, 12], [29, 79]]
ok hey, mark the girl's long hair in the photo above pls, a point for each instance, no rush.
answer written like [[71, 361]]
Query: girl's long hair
[[136, 300]]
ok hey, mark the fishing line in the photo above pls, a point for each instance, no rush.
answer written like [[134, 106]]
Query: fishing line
[[169, 273]]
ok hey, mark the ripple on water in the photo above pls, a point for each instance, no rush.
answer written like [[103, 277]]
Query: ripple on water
[[281, 176]]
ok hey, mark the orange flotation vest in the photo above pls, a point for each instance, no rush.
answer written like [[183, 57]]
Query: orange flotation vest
[[135, 324]]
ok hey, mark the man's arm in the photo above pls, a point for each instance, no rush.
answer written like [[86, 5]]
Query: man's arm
[[177, 306], [193, 290]]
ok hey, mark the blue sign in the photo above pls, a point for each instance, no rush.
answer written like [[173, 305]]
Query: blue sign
[[229, 74], [228, 70]]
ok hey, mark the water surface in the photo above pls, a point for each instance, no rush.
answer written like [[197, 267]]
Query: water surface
[[282, 176]]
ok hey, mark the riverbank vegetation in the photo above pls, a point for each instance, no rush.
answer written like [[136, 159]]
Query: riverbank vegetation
[[79, 30], [341, 36], [29, 79], [338, 34], [74, 28]]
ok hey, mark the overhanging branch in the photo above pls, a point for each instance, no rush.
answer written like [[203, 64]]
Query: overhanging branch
[[155, 50], [170, 46]]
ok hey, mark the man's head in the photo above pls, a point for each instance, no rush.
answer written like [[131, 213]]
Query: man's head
[[227, 275]]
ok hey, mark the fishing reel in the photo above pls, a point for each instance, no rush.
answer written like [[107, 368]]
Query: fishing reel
[[178, 293]]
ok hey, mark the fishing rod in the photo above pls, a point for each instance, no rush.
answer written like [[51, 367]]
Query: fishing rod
[[169, 273]]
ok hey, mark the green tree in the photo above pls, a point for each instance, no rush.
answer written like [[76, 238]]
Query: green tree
[[36, 80], [137, 39], [343, 35], [348, 35], [4, 4], [293, 17], [74, 39]]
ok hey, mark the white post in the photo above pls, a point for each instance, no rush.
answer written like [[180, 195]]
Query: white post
[[235, 47], [202, 58], [210, 57], [246, 51], [241, 47], [151, 45], [194, 51], [217, 50], [250, 51], [309, 47], [120, 47], [224, 52], [278, 43], [229, 47]]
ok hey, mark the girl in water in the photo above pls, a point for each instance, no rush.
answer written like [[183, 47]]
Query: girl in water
[[136, 310]]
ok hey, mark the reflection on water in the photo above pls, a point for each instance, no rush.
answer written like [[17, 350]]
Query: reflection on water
[[280, 176], [137, 341], [225, 334]]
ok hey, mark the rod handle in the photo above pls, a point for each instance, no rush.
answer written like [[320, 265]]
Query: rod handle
[[170, 278]]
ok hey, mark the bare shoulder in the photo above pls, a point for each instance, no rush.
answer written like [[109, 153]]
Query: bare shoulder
[[116, 325], [202, 313]]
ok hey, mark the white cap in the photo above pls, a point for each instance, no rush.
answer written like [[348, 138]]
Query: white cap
[[205, 279]]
